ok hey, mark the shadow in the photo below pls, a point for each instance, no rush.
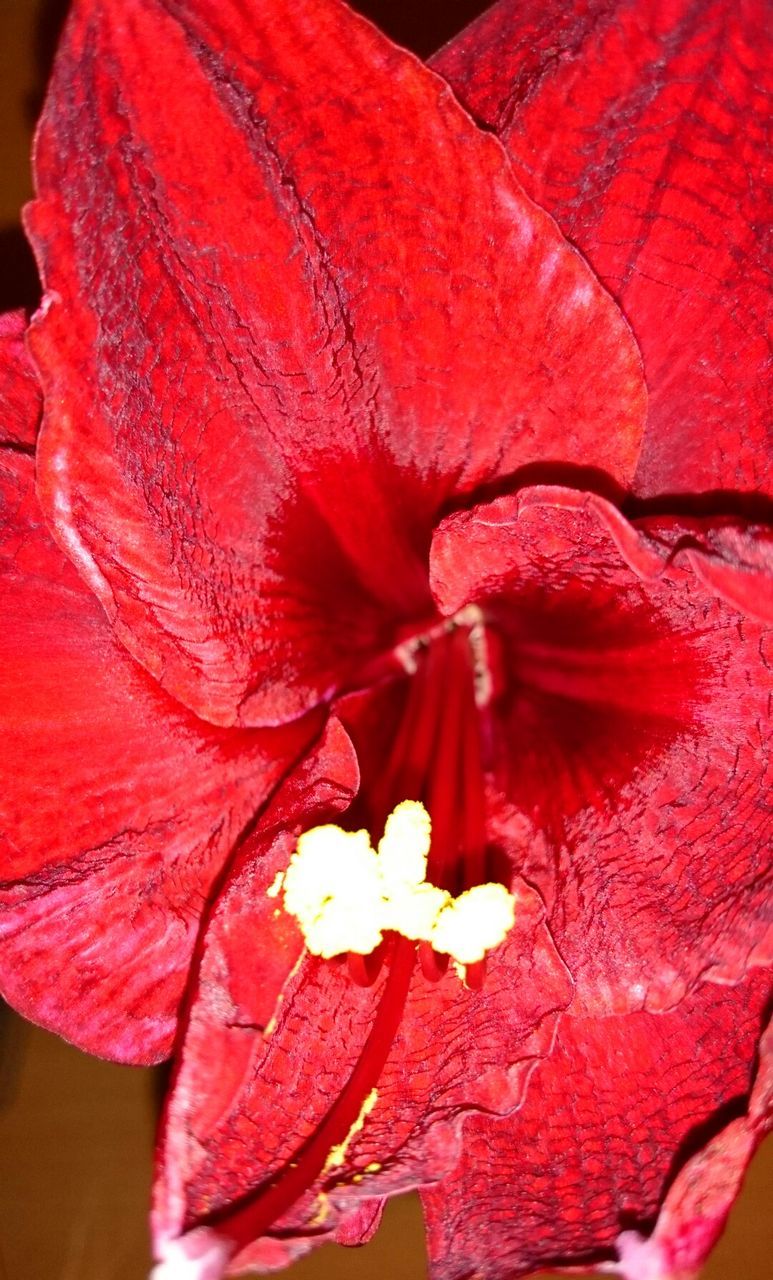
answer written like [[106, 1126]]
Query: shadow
[[743, 505], [48, 27], [425, 27], [699, 1137], [19, 284], [570, 475], [160, 1084]]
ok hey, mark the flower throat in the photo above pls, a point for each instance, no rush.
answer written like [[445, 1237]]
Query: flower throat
[[424, 879]]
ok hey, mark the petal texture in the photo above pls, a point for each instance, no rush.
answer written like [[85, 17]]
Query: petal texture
[[698, 1202], [118, 810], [658, 170], [288, 316], [631, 733], [608, 1119], [20, 396]]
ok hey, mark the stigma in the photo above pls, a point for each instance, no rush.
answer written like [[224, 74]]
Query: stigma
[[345, 895]]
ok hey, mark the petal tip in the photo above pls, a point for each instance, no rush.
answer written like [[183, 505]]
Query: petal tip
[[640, 1258], [199, 1255]]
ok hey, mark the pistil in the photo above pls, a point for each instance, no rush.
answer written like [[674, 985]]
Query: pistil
[[223, 1235]]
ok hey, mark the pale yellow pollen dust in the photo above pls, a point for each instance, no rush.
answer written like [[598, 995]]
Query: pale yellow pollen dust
[[473, 923], [338, 1153], [333, 888], [404, 847], [345, 895]]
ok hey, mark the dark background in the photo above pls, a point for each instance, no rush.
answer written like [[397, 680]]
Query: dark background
[[76, 1134]]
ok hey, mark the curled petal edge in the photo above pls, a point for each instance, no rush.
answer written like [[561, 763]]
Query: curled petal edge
[[733, 558]]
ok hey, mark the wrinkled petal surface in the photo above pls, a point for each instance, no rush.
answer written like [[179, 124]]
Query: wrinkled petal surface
[[697, 1205], [608, 1118], [287, 318], [658, 170], [118, 809], [630, 722], [20, 396]]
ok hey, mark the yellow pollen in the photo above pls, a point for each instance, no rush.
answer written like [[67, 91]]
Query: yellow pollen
[[404, 847], [338, 1153], [473, 923], [275, 887], [323, 1210], [345, 895]]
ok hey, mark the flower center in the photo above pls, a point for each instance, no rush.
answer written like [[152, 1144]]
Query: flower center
[[345, 895], [350, 897]]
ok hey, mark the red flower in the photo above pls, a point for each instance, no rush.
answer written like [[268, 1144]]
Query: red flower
[[336, 429]]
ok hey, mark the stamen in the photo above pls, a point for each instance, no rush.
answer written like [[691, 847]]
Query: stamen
[[345, 896], [366, 908], [443, 783], [433, 963], [473, 791], [405, 772], [365, 969], [475, 975], [333, 888], [474, 923]]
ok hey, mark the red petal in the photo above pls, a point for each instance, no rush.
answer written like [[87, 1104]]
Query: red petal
[[249, 958], [629, 733], [360, 1224], [289, 315], [118, 807], [697, 1205], [20, 396], [641, 126], [455, 1050], [619, 1104], [735, 562]]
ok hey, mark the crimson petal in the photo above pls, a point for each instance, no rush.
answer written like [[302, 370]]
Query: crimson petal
[[618, 1107], [629, 723], [20, 395], [118, 808], [251, 953], [288, 315], [695, 1210], [641, 126]]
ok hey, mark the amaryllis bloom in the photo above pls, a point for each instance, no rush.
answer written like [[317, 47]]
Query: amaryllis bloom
[[386, 668]]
